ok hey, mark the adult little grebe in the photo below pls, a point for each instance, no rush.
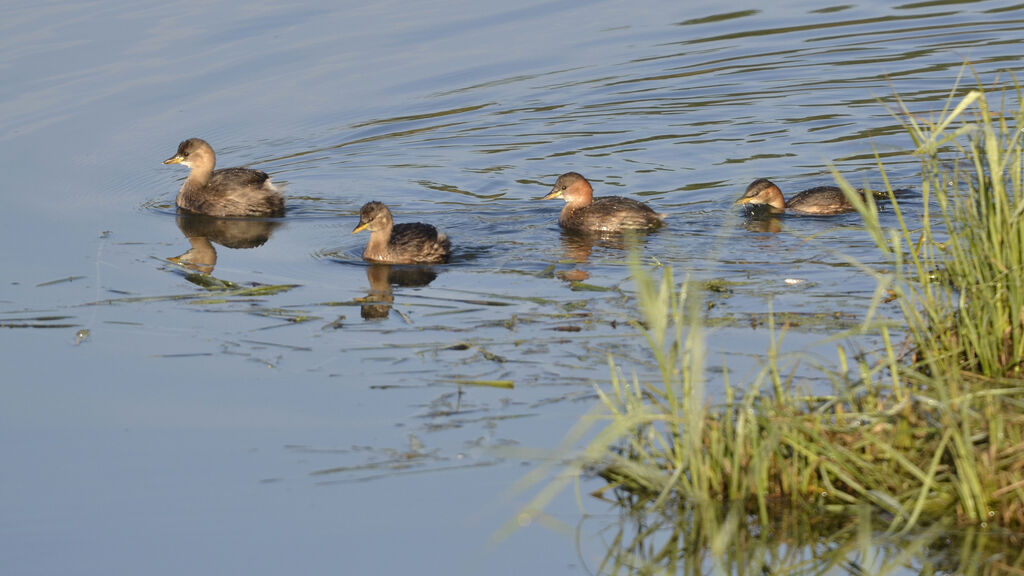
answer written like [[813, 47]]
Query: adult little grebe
[[584, 213], [822, 200], [225, 192], [413, 243]]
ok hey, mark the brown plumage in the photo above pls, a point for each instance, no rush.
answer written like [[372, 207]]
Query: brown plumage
[[413, 243], [584, 213], [822, 200], [225, 192]]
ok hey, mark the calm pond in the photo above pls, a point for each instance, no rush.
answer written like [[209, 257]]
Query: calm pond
[[360, 419]]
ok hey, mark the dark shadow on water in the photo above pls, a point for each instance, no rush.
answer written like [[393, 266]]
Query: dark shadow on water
[[204, 231]]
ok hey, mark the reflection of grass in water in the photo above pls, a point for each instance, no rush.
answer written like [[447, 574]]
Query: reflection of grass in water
[[794, 544], [386, 462], [905, 443]]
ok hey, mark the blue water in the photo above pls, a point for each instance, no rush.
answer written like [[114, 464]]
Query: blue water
[[313, 430]]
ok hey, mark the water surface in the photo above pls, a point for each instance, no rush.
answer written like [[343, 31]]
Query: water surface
[[358, 418]]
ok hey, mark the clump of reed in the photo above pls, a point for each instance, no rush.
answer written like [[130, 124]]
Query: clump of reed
[[912, 454], [958, 274], [929, 433]]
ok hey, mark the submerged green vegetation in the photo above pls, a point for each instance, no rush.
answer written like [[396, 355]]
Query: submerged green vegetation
[[926, 434]]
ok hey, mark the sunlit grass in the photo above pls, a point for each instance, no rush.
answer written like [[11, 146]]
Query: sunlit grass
[[958, 274]]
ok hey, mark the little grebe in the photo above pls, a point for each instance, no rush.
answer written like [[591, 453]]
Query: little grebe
[[822, 200], [391, 243], [225, 192], [584, 213]]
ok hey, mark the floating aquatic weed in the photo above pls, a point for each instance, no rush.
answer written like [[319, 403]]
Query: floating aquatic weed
[[225, 296], [59, 281], [291, 316], [484, 383], [279, 345], [489, 297], [809, 322], [452, 312], [577, 286], [386, 462], [37, 322], [491, 356], [336, 324], [262, 290], [210, 282]]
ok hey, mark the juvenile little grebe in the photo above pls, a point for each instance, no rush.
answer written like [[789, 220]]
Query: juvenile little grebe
[[391, 243], [822, 200], [225, 192], [584, 213]]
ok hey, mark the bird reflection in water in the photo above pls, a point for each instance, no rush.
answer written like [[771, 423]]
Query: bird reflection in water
[[760, 218], [204, 231], [378, 301], [578, 247]]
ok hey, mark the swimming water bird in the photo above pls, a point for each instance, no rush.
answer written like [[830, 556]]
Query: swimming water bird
[[225, 192], [413, 243], [584, 213], [822, 200]]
